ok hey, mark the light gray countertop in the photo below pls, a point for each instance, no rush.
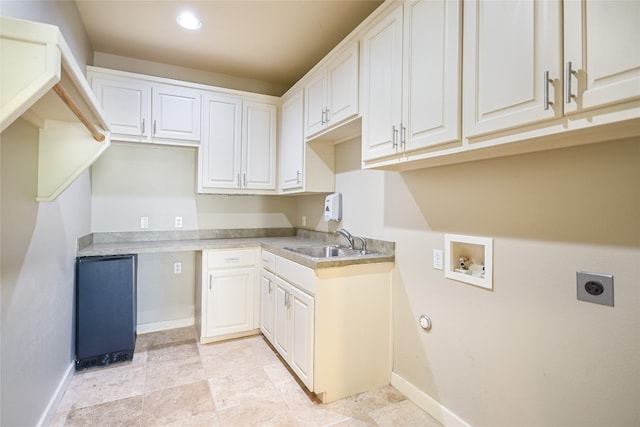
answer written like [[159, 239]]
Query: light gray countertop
[[275, 245]]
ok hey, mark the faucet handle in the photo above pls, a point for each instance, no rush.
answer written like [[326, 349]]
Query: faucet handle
[[364, 243]]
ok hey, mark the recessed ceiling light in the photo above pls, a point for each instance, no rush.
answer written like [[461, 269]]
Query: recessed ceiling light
[[188, 21]]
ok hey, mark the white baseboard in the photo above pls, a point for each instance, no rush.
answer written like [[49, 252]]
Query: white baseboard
[[426, 402], [145, 328], [51, 409]]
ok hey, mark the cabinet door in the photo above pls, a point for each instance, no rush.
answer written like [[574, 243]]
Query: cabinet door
[[259, 145], [602, 44], [342, 86], [508, 48], [282, 316], [302, 323], [382, 87], [267, 305], [292, 143], [126, 105], [221, 144], [230, 297], [176, 112], [315, 98], [431, 92]]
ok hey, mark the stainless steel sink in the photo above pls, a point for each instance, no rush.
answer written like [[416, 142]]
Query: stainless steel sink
[[328, 251]]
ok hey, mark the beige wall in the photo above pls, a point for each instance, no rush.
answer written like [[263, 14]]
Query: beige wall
[[157, 69], [527, 353], [159, 182], [37, 292], [64, 14], [38, 253]]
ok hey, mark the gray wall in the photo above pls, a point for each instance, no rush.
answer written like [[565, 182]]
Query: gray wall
[[38, 249]]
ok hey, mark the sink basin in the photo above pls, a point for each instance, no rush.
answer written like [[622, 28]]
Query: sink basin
[[327, 251]]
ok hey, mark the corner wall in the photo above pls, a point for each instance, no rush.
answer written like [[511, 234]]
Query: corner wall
[[527, 353], [37, 272]]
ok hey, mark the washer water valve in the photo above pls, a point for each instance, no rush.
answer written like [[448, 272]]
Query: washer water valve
[[425, 322]]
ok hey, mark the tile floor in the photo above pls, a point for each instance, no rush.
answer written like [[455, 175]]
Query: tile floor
[[175, 381]]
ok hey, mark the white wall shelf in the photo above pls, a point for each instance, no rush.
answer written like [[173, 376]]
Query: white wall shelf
[[469, 259]]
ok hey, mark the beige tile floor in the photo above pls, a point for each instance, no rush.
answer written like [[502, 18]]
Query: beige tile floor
[[175, 381]]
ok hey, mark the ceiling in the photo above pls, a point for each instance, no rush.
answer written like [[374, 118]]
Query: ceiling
[[271, 41]]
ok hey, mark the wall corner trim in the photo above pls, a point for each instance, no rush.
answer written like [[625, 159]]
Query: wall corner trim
[[426, 402]]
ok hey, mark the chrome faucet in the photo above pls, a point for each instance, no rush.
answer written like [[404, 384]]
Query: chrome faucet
[[344, 233], [364, 244]]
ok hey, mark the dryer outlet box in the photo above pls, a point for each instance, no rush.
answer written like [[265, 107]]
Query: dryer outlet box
[[595, 287]]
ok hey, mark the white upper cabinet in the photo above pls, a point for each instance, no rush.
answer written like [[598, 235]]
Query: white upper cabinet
[[431, 73], [176, 112], [292, 142], [259, 145], [411, 79], [238, 150], [126, 105], [382, 87], [601, 53], [220, 153], [512, 53], [144, 111], [331, 94]]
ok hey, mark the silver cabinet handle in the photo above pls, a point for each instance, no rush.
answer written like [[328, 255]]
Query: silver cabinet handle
[[568, 73], [154, 127], [239, 183], [286, 298], [210, 277], [546, 82], [235, 259], [298, 177], [270, 285], [143, 126], [322, 119], [394, 136], [403, 136], [244, 179], [326, 115]]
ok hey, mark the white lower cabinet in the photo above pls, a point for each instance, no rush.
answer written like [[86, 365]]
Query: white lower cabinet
[[226, 296], [294, 316], [332, 326]]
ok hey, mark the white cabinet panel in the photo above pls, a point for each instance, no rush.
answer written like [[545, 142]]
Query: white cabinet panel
[[267, 305], [331, 94], [282, 319], [301, 308], [509, 48], [176, 112], [601, 42], [382, 86], [292, 143], [259, 145], [221, 149], [230, 301], [126, 105]]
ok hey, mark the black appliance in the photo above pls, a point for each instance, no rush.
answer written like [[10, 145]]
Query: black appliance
[[105, 309]]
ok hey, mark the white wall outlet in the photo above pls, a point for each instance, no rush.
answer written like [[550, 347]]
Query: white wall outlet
[[144, 222], [303, 222], [437, 259], [178, 222], [177, 267]]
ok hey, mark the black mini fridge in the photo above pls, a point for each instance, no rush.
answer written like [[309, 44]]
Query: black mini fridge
[[105, 309]]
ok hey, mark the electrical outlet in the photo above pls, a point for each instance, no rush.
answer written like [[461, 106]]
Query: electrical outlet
[[177, 267], [304, 220], [144, 222], [437, 259], [178, 222], [595, 287]]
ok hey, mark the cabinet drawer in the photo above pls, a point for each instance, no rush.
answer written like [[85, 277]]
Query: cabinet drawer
[[296, 274], [268, 261], [231, 259]]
